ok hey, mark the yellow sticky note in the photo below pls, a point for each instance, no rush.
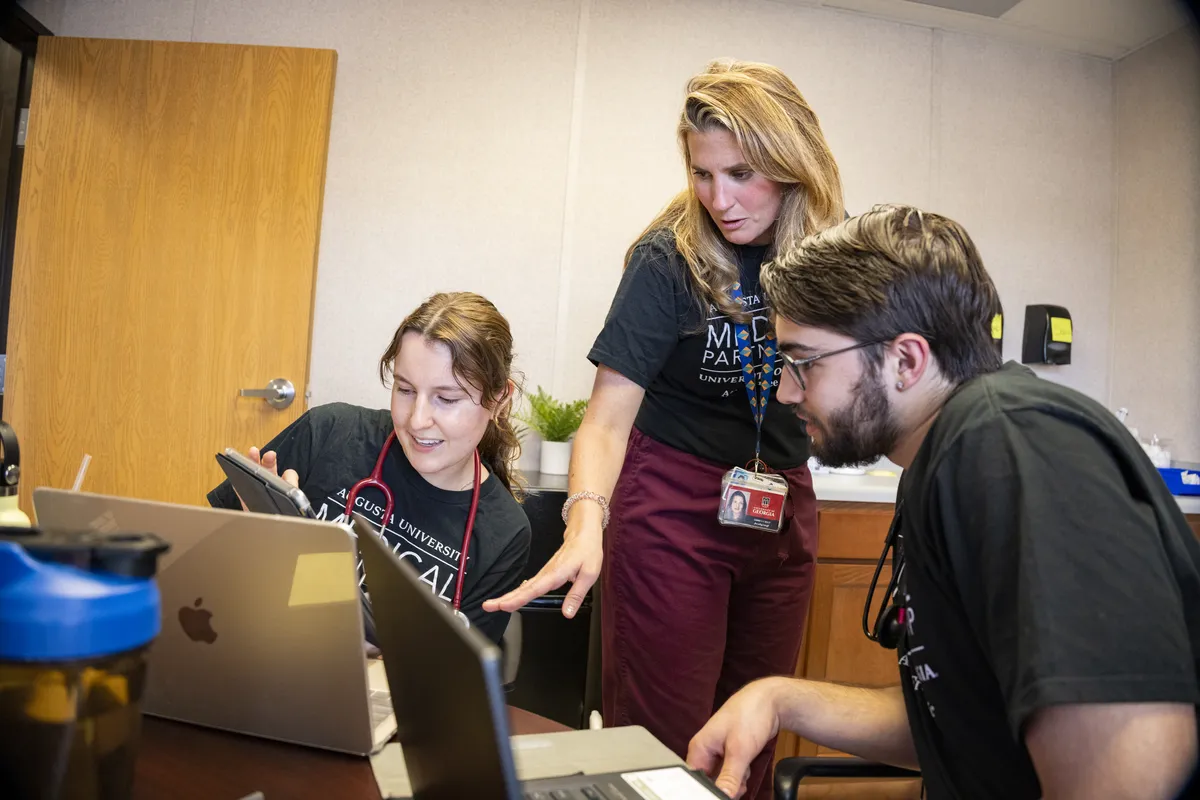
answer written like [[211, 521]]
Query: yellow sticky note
[[1060, 330], [323, 578], [998, 326]]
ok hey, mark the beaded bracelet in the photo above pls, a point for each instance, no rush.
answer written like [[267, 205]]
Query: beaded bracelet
[[603, 501]]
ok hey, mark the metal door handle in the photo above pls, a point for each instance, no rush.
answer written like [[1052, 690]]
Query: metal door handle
[[279, 393]]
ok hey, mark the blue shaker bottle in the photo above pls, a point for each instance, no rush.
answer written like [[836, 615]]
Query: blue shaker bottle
[[77, 615]]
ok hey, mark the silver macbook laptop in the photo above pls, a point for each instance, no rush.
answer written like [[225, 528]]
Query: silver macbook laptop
[[262, 628], [450, 707]]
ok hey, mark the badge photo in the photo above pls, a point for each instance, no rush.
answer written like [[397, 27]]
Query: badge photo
[[756, 502]]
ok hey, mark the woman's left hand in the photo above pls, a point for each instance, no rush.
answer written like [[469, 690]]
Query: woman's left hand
[[271, 462]]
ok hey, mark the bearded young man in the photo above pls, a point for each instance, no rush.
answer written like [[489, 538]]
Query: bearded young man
[[1047, 602]]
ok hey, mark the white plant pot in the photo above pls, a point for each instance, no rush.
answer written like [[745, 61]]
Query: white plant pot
[[555, 458]]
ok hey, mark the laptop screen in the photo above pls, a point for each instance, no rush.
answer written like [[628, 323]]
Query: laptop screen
[[445, 683]]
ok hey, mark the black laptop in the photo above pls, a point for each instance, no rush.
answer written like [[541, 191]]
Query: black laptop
[[448, 697]]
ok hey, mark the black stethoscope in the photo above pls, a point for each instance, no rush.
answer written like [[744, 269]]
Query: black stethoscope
[[375, 481], [889, 622]]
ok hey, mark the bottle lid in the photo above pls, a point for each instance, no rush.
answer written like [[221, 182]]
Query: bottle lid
[[131, 555], [56, 612]]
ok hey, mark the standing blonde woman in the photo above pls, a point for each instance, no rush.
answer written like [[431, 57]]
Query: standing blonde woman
[[693, 610]]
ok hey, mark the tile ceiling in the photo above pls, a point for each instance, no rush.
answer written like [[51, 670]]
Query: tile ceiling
[[1109, 29]]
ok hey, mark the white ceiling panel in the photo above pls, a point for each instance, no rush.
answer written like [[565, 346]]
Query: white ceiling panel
[[984, 8], [1128, 24], [1109, 29]]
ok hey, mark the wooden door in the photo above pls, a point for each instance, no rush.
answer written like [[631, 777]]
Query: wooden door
[[165, 257]]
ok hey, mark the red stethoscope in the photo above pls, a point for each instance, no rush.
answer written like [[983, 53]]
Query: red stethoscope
[[374, 480]]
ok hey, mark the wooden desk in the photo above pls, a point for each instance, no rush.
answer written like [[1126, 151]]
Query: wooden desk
[[186, 761]]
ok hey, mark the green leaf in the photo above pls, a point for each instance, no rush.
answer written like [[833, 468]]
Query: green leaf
[[554, 421]]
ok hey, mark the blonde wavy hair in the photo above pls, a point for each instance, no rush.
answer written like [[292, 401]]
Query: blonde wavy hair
[[781, 139]]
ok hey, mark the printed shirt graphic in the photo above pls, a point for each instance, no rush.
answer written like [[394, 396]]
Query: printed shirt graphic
[[915, 668], [695, 400], [1045, 563], [436, 559], [334, 446]]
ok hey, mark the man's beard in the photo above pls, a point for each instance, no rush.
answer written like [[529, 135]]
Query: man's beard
[[862, 431]]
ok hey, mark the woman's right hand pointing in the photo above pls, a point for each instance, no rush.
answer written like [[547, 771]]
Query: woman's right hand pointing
[[577, 562], [599, 451]]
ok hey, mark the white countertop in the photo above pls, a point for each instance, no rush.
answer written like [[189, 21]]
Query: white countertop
[[855, 488], [878, 489], [1190, 504], [849, 488]]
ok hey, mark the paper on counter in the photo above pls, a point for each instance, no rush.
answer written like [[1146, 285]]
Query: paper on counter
[[550, 755], [674, 783]]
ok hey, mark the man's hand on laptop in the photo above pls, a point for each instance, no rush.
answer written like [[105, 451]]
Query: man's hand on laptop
[[271, 462], [735, 736]]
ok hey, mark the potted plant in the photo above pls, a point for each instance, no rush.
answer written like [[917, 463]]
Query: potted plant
[[556, 422]]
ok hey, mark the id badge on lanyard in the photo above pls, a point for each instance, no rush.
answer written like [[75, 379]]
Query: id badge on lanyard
[[753, 498]]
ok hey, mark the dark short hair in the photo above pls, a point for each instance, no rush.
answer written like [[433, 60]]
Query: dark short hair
[[893, 270]]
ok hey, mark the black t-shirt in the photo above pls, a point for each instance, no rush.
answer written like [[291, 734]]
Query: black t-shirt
[[1045, 563], [334, 446], [656, 336]]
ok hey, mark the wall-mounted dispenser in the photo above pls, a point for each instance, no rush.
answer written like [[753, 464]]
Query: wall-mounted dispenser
[[1047, 335]]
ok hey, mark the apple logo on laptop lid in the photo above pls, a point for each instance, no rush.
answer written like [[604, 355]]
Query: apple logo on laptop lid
[[197, 622]]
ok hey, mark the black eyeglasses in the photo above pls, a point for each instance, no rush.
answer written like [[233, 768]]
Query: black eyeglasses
[[796, 365]]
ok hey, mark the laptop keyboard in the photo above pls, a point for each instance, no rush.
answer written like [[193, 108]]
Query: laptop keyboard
[[381, 707], [582, 793]]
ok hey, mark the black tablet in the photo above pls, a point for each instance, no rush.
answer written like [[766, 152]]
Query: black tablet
[[262, 490]]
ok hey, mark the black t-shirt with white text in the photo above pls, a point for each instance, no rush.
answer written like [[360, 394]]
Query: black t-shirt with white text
[[1045, 563], [695, 399], [334, 446]]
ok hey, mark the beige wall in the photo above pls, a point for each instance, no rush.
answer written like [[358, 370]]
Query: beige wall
[[1015, 143], [514, 147], [1156, 285], [47, 12]]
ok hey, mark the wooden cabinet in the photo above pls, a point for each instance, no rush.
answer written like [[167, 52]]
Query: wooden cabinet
[[838, 650], [851, 536]]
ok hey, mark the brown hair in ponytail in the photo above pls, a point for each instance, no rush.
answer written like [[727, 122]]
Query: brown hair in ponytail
[[481, 350]]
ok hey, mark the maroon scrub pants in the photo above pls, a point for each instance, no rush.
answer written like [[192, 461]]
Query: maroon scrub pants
[[691, 610]]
